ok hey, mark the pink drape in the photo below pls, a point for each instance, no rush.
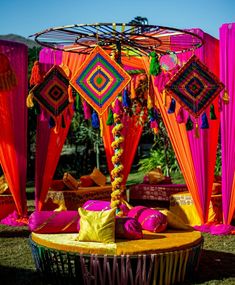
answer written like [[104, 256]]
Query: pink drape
[[227, 74], [13, 125], [204, 148], [199, 172]]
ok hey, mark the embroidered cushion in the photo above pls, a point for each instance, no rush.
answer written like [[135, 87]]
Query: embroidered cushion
[[97, 226], [128, 228], [51, 222], [86, 181], [150, 219], [70, 181], [98, 177]]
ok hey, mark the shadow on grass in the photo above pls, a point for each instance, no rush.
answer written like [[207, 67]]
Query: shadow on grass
[[215, 265], [19, 276]]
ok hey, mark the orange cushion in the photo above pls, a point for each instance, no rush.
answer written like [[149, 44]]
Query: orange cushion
[[98, 177], [86, 181], [70, 181]]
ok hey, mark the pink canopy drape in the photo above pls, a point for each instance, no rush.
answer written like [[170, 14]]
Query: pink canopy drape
[[196, 156], [13, 125], [227, 75]]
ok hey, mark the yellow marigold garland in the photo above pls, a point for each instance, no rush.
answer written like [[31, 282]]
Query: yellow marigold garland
[[117, 187]]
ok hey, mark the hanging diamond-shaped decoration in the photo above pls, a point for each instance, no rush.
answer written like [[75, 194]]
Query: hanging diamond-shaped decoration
[[194, 86], [52, 93], [99, 80]]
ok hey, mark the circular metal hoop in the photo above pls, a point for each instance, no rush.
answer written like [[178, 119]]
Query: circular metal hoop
[[130, 38]]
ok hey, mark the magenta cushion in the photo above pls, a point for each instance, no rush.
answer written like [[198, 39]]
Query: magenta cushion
[[51, 222], [127, 228], [150, 219], [98, 205]]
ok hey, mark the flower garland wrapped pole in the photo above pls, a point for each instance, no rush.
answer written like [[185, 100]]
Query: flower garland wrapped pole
[[117, 187]]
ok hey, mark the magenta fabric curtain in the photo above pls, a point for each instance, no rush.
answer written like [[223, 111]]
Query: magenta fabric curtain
[[13, 125], [227, 74], [203, 149]]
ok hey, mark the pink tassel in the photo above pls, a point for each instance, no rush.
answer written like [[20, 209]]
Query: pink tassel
[[153, 125], [86, 110], [118, 108], [180, 116]]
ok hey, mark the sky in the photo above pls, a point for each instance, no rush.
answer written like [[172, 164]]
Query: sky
[[27, 17]]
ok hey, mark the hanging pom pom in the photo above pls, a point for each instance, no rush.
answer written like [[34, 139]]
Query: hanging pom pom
[[77, 103], [29, 100], [212, 112], [110, 120], [86, 110], [95, 122], [36, 74], [149, 102], [205, 124], [51, 122], [133, 94], [126, 101], [164, 97], [37, 109], [180, 116], [154, 68], [196, 134], [171, 109], [154, 126], [118, 109], [155, 113], [225, 97], [189, 124], [70, 94], [151, 114], [63, 125]]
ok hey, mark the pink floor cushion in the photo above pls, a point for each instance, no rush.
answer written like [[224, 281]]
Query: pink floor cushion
[[98, 205], [128, 228], [49, 222], [150, 219]]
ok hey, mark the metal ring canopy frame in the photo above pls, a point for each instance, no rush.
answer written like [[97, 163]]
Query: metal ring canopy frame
[[130, 38]]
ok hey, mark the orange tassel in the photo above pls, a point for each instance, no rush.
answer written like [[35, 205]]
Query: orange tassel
[[164, 97], [70, 94], [225, 97], [29, 100], [133, 94], [196, 132], [36, 74]]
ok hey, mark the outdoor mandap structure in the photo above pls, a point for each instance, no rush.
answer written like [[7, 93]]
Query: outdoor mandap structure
[[123, 75]]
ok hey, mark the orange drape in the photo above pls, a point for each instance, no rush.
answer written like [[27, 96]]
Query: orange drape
[[55, 141]]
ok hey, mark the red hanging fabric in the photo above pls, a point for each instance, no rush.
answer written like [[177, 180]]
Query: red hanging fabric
[[13, 122]]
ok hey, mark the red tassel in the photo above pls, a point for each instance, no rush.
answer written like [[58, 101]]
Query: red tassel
[[36, 74]]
